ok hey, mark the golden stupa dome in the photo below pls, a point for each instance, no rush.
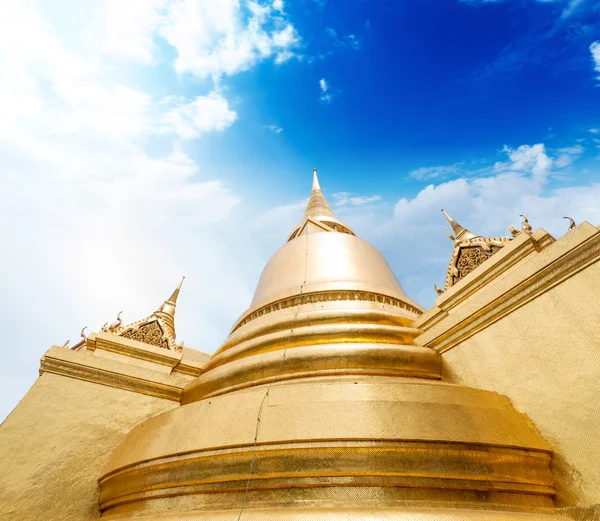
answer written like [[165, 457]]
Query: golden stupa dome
[[319, 406]]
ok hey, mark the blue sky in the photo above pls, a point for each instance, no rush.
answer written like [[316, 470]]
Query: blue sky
[[149, 139]]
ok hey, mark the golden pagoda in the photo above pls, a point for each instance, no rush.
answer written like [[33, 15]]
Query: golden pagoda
[[335, 396]]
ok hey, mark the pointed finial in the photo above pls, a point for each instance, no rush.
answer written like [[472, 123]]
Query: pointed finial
[[173, 297], [315, 185], [438, 290], [167, 310], [83, 333], [66, 344], [462, 234], [571, 222]]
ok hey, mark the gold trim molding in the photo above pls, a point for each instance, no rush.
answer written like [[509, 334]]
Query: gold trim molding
[[60, 366], [326, 296]]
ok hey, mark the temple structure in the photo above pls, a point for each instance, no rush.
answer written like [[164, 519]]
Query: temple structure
[[335, 396]]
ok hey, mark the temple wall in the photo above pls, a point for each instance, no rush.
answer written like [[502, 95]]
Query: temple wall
[[545, 357], [55, 443], [534, 335]]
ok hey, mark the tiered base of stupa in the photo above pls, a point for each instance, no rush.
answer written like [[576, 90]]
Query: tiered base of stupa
[[338, 447]]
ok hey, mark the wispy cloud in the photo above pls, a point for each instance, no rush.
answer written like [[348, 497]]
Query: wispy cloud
[[274, 128], [326, 95], [535, 159], [350, 40], [556, 38], [345, 198], [595, 50], [435, 172]]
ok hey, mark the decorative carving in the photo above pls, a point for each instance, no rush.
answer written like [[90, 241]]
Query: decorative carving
[[83, 333], [311, 298], [438, 290], [469, 254], [470, 258], [150, 333]]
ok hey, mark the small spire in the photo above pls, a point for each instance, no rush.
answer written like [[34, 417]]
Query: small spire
[[167, 310], [462, 234], [173, 297], [315, 186]]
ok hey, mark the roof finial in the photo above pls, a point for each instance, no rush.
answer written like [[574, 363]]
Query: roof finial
[[167, 310], [462, 234], [173, 297], [315, 185]]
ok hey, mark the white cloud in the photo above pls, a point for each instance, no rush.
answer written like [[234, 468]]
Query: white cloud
[[594, 130], [485, 205], [595, 50], [567, 156], [101, 194], [323, 85], [527, 158], [129, 27], [277, 5], [203, 114], [215, 38]]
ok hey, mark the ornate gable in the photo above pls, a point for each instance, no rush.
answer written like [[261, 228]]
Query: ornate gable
[[150, 332], [470, 251], [156, 330], [467, 255]]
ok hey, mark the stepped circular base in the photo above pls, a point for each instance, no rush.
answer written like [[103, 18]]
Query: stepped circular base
[[343, 443]]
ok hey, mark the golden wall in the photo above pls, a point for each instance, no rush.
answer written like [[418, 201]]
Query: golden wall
[[54, 444], [531, 331]]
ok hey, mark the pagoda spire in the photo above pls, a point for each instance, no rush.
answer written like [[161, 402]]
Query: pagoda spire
[[460, 233], [318, 216], [316, 185], [317, 204]]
